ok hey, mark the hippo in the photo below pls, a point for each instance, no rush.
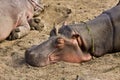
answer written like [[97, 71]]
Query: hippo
[[76, 43], [14, 17]]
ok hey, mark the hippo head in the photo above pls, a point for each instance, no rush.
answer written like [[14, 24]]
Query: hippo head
[[57, 48]]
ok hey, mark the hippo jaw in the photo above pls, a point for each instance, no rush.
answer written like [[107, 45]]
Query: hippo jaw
[[54, 50]]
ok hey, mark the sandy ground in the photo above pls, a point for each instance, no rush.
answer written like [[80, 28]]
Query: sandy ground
[[13, 66]]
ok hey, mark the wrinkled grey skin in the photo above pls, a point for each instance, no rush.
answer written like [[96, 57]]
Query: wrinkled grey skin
[[14, 17], [97, 37]]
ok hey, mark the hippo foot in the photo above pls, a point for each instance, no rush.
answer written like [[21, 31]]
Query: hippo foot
[[36, 24], [18, 33], [13, 35], [37, 13]]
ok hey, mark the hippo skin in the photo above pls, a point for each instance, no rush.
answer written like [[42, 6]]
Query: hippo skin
[[77, 43], [14, 17]]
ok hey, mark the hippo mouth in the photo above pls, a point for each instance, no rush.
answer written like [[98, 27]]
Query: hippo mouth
[[51, 57], [68, 52]]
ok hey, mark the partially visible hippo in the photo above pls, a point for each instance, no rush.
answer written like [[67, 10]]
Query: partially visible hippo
[[14, 17], [79, 42]]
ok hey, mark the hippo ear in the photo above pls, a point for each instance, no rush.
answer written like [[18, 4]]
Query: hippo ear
[[55, 29], [53, 32]]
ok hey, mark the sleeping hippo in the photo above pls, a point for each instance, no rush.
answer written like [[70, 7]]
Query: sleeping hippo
[[77, 43], [14, 17]]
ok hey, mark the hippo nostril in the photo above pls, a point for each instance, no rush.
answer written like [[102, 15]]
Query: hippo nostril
[[29, 54], [31, 58]]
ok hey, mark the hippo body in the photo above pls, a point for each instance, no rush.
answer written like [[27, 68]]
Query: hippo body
[[14, 17], [79, 42], [115, 21]]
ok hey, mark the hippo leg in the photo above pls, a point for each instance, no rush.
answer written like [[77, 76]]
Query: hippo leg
[[4, 32], [36, 24], [20, 31], [5, 27]]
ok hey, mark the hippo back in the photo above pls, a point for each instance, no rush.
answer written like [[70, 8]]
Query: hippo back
[[114, 13]]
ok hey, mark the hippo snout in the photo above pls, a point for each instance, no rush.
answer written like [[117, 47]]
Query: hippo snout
[[30, 58], [37, 55], [33, 58]]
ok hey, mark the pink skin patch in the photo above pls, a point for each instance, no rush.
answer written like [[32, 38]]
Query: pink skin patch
[[67, 54]]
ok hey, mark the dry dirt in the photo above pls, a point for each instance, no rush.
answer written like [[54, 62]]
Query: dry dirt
[[13, 66]]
